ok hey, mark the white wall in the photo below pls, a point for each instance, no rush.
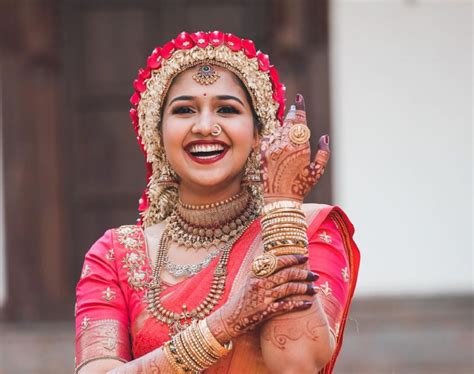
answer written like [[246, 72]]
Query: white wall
[[402, 140]]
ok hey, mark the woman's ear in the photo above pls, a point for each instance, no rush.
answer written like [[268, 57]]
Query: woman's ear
[[256, 136]]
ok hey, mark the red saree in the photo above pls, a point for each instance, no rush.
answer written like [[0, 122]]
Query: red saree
[[111, 316]]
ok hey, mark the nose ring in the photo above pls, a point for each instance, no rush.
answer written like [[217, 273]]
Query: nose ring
[[216, 130]]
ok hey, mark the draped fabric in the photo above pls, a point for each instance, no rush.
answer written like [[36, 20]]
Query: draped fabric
[[111, 316]]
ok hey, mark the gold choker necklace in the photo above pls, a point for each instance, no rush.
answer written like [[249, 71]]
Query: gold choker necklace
[[201, 226]]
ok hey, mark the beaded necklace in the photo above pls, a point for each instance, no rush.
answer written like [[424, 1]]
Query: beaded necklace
[[178, 321]]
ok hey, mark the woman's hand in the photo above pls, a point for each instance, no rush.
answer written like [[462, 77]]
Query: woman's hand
[[263, 298], [287, 170]]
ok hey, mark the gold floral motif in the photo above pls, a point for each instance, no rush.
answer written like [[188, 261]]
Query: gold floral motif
[[85, 271], [326, 290], [110, 255], [345, 274], [135, 259], [325, 237], [108, 294], [259, 86], [85, 323], [110, 344]]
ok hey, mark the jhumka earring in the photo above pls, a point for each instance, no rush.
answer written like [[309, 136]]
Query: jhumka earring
[[252, 170], [168, 177]]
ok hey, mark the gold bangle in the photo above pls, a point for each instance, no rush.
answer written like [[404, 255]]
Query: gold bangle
[[282, 237], [287, 243], [197, 348], [171, 359], [220, 349], [281, 204], [289, 251], [187, 363]]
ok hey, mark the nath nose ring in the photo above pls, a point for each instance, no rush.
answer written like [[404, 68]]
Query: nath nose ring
[[216, 130]]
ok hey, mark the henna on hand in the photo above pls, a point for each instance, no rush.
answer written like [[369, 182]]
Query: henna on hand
[[287, 170], [263, 298], [289, 328]]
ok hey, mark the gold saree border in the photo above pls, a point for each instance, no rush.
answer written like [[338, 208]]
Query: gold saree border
[[102, 339]]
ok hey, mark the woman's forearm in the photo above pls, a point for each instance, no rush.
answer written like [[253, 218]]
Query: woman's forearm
[[153, 362], [297, 342]]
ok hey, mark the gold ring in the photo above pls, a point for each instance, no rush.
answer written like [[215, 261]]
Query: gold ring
[[299, 133], [264, 265], [216, 131]]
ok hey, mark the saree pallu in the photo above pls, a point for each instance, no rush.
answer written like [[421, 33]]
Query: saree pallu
[[111, 316]]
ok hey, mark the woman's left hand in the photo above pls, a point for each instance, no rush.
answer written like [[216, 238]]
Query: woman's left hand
[[285, 158]]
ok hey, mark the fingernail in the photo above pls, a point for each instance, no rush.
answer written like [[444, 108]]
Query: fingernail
[[310, 290], [326, 139], [307, 303], [299, 98], [301, 259], [312, 276]]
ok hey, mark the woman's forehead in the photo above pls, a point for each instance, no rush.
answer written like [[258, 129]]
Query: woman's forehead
[[193, 82]]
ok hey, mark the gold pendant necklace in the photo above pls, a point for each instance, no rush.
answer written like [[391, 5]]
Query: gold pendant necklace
[[240, 211], [179, 321]]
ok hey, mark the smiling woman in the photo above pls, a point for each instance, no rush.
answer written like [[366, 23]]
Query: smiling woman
[[227, 271], [208, 163]]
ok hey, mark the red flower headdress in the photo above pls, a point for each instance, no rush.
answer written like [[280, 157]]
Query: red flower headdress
[[166, 62]]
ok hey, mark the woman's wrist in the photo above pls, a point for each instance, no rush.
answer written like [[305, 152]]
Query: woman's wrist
[[216, 325]]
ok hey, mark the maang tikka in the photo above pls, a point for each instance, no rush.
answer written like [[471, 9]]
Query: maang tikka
[[206, 75]]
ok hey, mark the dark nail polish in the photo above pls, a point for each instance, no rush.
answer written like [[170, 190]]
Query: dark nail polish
[[299, 97], [326, 139], [310, 290], [307, 303], [311, 276], [301, 259]]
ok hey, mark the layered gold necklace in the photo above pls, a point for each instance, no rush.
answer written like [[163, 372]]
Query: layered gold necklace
[[200, 226]]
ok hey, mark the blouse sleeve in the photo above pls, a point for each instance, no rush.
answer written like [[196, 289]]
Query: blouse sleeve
[[102, 323], [330, 257]]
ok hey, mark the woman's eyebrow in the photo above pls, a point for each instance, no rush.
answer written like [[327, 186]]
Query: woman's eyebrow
[[229, 97], [182, 98]]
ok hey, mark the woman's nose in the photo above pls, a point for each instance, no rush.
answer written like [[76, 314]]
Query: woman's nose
[[203, 125]]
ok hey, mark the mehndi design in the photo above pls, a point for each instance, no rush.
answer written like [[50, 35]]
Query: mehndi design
[[288, 172]]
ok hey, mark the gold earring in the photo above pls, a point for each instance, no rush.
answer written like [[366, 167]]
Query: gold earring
[[168, 177], [216, 130], [252, 170]]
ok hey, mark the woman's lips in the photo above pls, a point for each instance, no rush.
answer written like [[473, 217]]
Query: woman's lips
[[196, 150], [207, 160]]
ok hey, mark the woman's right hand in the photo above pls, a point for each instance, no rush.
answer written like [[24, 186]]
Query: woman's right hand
[[263, 298]]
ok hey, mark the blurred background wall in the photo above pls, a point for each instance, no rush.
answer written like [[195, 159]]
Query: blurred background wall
[[390, 80]]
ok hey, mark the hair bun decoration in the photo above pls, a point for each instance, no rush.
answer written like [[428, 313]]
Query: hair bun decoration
[[152, 83]]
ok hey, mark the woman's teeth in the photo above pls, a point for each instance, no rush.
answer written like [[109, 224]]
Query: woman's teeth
[[206, 150]]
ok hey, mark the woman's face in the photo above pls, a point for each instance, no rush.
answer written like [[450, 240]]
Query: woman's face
[[201, 160]]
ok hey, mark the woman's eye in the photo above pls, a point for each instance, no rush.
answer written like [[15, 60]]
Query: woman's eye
[[182, 110], [227, 109]]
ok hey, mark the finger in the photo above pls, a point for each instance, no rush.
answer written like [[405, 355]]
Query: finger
[[322, 155], [290, 116], [290, 260], [293, 289], [282, 306], [300, 109], [291, 275]]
